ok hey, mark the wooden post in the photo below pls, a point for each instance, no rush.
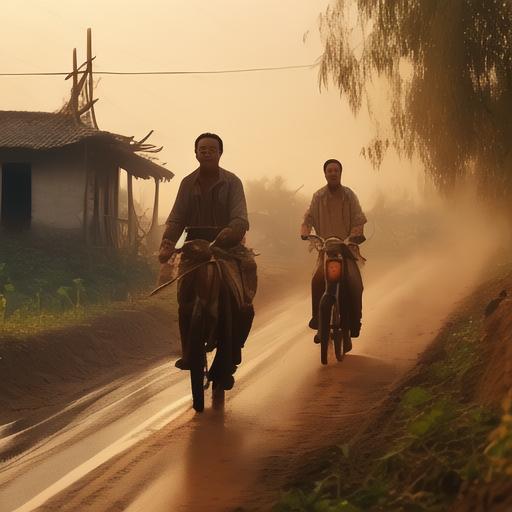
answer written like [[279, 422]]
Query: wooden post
[[91, 78], [95, 224], [132, 220], [153, 238], [154, 220], [86, 196], [74, 93], [116, 209]]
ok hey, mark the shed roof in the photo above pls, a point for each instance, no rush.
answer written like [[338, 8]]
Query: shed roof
[[42, 130], [46, 130]]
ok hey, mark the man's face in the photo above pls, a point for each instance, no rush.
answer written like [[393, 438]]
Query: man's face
[[208, 151], [333, 174]]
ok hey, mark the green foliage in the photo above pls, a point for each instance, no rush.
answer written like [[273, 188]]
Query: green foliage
[[415, 397], [438, 442], [64, 291], [79, 289], [58, 277], [499, 450], [449, 68], [299, 501], [429, 421], [3, 304]]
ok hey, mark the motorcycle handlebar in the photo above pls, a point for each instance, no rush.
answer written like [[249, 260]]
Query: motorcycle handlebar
[[356, 240]]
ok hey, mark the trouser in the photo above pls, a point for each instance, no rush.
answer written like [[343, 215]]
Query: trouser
[[186, 298], [238, 325], [351, 292]]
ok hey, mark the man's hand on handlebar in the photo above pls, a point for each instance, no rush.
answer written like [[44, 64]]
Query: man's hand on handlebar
[[228, 237], [166, 250], [357, 239]]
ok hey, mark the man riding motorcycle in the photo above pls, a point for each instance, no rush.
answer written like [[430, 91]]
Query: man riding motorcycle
[[211, 204], [335, 211]]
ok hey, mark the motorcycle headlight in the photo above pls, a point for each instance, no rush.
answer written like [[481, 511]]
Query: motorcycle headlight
[[333, 269]]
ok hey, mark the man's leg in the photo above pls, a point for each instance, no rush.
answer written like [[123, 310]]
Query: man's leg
[[186, 297], [317, 290], [355, 285], [223, 365]]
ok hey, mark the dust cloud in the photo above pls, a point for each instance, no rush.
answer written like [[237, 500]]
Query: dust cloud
[[404, 233]]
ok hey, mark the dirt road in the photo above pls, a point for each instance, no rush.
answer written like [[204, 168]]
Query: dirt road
[[136, 444]]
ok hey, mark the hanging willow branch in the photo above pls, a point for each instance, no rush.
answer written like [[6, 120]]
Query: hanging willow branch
[[449, 68]]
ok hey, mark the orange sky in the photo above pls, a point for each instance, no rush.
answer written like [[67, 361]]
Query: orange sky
[[272, 123]]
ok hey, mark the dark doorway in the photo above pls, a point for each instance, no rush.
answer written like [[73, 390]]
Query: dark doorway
[[16, 195]]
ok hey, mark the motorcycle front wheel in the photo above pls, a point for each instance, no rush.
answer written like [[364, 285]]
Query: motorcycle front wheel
[[337, 336]]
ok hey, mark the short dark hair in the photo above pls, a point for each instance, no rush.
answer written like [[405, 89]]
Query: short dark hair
[[208, 135], [332, 161]]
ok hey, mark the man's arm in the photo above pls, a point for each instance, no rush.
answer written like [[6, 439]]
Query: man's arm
[[174, 226], [357, 220], [308, 221]]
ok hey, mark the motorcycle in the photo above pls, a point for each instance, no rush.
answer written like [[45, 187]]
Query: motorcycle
[[333, 317]]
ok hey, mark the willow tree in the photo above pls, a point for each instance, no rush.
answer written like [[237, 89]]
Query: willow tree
[[449, 67]]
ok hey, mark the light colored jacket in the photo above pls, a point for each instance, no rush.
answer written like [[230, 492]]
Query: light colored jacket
[[317, 216]]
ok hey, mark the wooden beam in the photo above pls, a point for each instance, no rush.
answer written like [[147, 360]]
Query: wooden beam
[[85, 108], [144, 139], [79, 69]]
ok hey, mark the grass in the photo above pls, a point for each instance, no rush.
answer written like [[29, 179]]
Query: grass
[[50, 281], [431, 443]]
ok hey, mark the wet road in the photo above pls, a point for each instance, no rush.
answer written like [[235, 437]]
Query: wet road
[[136, 444]]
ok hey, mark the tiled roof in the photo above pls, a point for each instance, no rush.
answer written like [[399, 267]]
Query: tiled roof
[[42, 130], [46, 130]]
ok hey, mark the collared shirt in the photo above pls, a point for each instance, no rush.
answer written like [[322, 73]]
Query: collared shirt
[[335, 213], [222, 206]]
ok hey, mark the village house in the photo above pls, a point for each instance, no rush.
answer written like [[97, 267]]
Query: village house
[[60, 171]]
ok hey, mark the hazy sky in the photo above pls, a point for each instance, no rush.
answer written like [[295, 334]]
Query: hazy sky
[[271, 123]]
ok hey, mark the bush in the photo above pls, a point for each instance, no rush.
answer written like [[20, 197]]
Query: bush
[[54, 274]]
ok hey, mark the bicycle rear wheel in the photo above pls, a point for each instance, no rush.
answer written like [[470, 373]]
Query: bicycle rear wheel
[[197, 357], [218, 395]]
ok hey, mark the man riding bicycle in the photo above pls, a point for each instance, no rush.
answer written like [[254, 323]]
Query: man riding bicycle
[[335, 212], [211, 206]]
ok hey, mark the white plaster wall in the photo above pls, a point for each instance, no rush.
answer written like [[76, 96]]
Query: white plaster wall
[[58, 182]]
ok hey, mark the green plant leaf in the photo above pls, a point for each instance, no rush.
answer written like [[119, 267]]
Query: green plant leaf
[[79, 283], [415, 397], [9, 288], [427, 421]]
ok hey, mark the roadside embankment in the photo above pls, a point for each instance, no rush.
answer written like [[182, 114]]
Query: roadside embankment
[[49, 367], [442, 440]]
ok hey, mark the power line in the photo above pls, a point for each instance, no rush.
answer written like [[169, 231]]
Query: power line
[[196, 72]]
